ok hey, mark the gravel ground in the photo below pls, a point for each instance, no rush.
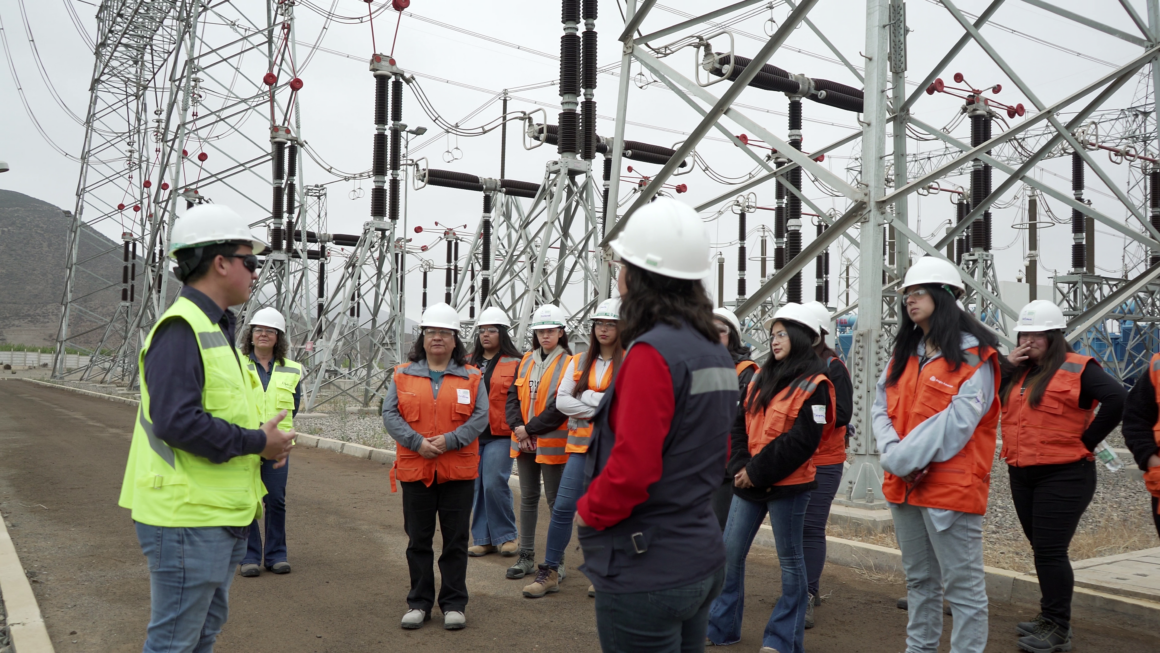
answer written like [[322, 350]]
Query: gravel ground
[[361, 429]]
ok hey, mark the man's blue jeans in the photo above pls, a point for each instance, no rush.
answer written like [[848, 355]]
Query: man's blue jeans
[[493, 519], [785, 631], [664, 621], [564, 510], [190, 571], [275, 518]]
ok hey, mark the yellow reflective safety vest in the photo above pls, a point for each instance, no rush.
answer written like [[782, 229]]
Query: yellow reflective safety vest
[[168, 487], [279, 392]]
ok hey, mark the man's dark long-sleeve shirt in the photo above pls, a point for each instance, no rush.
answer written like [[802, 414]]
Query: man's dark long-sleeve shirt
[[1140, 415], [175, 378]]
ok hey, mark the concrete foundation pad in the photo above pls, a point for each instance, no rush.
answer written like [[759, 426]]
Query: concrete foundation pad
[[876, 521]]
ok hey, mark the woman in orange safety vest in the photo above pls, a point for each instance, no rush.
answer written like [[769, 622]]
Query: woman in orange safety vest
[[1050, 427], [582, 387], [789, 407], [434, 410], [539, 430], [935, 419]]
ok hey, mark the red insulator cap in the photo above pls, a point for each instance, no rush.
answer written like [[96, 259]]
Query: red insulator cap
[[423, 248], [296, 84], [1010, 112], [930, 89], [120, 207], [399, 5], [136, 208], [682, 188], [391, 61], [1019, 110], [959, 78], [418, 230], [996, 88], [164, 185], [939, 85], [269, 79], [185, 153], [743, 138], [630, 168], [819, 158], [202, 157], [147, 184]]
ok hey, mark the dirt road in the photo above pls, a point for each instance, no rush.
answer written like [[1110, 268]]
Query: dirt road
[[62, 456]]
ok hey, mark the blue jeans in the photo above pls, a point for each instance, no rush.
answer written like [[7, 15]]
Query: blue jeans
[[665, 621], [493, 519], [564, 511], [274, 518], [190, 571], [829, 477], [785, 630]]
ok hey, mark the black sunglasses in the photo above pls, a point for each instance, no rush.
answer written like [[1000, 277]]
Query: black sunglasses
[[248, 260]]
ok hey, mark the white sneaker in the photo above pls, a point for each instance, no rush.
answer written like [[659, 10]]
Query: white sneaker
[[454, 620], [414, 619]]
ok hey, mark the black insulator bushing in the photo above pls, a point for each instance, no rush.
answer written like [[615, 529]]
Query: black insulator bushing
[[396, 149], [590, 7], [647, 157], [279, 160], [569, 132], [741, 63], [486, 233], [987, 231], [588, 118], [344, 240], [608, 169], [840, 101], [569, 64], [570, 11], [978, 189], [397, 100], [125, 291], [1154, 189], [487, 203], [986, 171], [793, 242], [516, 188], [637, 146], [741, 240], [778, 258], [1076, 172], [292, 234], [393, 198], [378, 203], [779, 220], [795, 119], [827, 85], [379, 155], [987, 130], [1077, 222], [290, 194], [125, 254], [276, 239], [277, 206], [1078, 256], [125, 274], [770, 78], [978, 236], [454, 183], [449, 175], [292, 161], [589, 59], [381, 99]]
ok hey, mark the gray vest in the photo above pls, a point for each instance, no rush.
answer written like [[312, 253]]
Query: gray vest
[[673, 538]]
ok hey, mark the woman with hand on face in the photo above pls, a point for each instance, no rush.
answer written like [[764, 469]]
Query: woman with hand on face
[[1050, 426], [585, 379], [789, 408], [539, 430], [493, 522], [935, 419], [729, 330], [434, 409]]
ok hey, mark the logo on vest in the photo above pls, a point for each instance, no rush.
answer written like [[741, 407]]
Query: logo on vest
[[935, 379]]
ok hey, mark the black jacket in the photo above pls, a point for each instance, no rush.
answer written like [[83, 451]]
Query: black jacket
[[1140, 415], [546, 422]]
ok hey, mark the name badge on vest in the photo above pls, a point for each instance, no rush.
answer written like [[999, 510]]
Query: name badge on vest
[[464, 395], [819, 414]]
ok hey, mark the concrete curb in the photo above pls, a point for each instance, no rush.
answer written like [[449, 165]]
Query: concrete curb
[[25, 623], [100, 395]]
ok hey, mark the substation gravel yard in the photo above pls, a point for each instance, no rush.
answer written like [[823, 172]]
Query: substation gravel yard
[[1117, 521]]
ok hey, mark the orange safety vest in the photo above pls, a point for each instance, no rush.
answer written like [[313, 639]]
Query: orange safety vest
[[1051, 433], [1152, 475], [431, 416], [497, 393], [765, 425], [832, 450], [579, 428], [550, 447], [961, 483], [744, 365]]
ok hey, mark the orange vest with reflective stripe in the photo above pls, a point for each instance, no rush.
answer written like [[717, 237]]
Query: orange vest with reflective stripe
[[744, 365], [765, 425], [497, 392], [579, 428], [961, 483], [431, 416], [1051, 433], [832, 450], [550, 447]]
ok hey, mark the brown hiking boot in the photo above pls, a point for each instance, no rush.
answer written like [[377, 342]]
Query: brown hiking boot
[[547, 581], [480, 550], [509, 549]]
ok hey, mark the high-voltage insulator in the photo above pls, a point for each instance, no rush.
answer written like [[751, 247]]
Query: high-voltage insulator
[[291, 188], [607, 177], [1078, 246], [981, 119], [451, 239], [1154, 205], [772, 78], [516, 188], [278, 145], [962, 209], [779, 222], [379, 156], [741, 256], [321, 283], [485, 249], [465, 181], [345, 240], [396, 145], [822, 271], [588, 82], [569, 120], [793, 207], [633, 150]]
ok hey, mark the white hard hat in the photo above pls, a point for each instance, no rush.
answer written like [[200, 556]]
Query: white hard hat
[[666, 237], [929, 269], [1040, 315], [822, 313], [728, 317], [269, 317], [208, 224], [608, 309], [797, 313], [440, 316], [493, 315], [549, 316]]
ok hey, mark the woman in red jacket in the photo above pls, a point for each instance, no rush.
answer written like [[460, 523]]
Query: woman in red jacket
[[1049, 396]]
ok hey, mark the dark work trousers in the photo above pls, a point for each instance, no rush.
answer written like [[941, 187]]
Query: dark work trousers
[[722, 498], [274, 518], [1155, 515], [1049, 500], [817, 514], [450, 501]]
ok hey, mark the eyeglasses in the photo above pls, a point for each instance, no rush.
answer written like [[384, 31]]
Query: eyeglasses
[[1033, 335], [780, 335], [439, 333], [917, 292], [604, 326], [491, 331], [261, 330], [250, 261]]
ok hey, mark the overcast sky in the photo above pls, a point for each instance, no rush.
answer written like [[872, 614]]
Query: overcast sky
[[336, 105]]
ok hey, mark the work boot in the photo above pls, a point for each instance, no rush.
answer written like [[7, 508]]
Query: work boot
[[524, 566], [1025, 628], [810, 613], [480, 550], [591, 591], [415, 618], [509, 549], [251, 571], [768, 649], [547, 582], [454, 620], [1050, 637], [280, 567]]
